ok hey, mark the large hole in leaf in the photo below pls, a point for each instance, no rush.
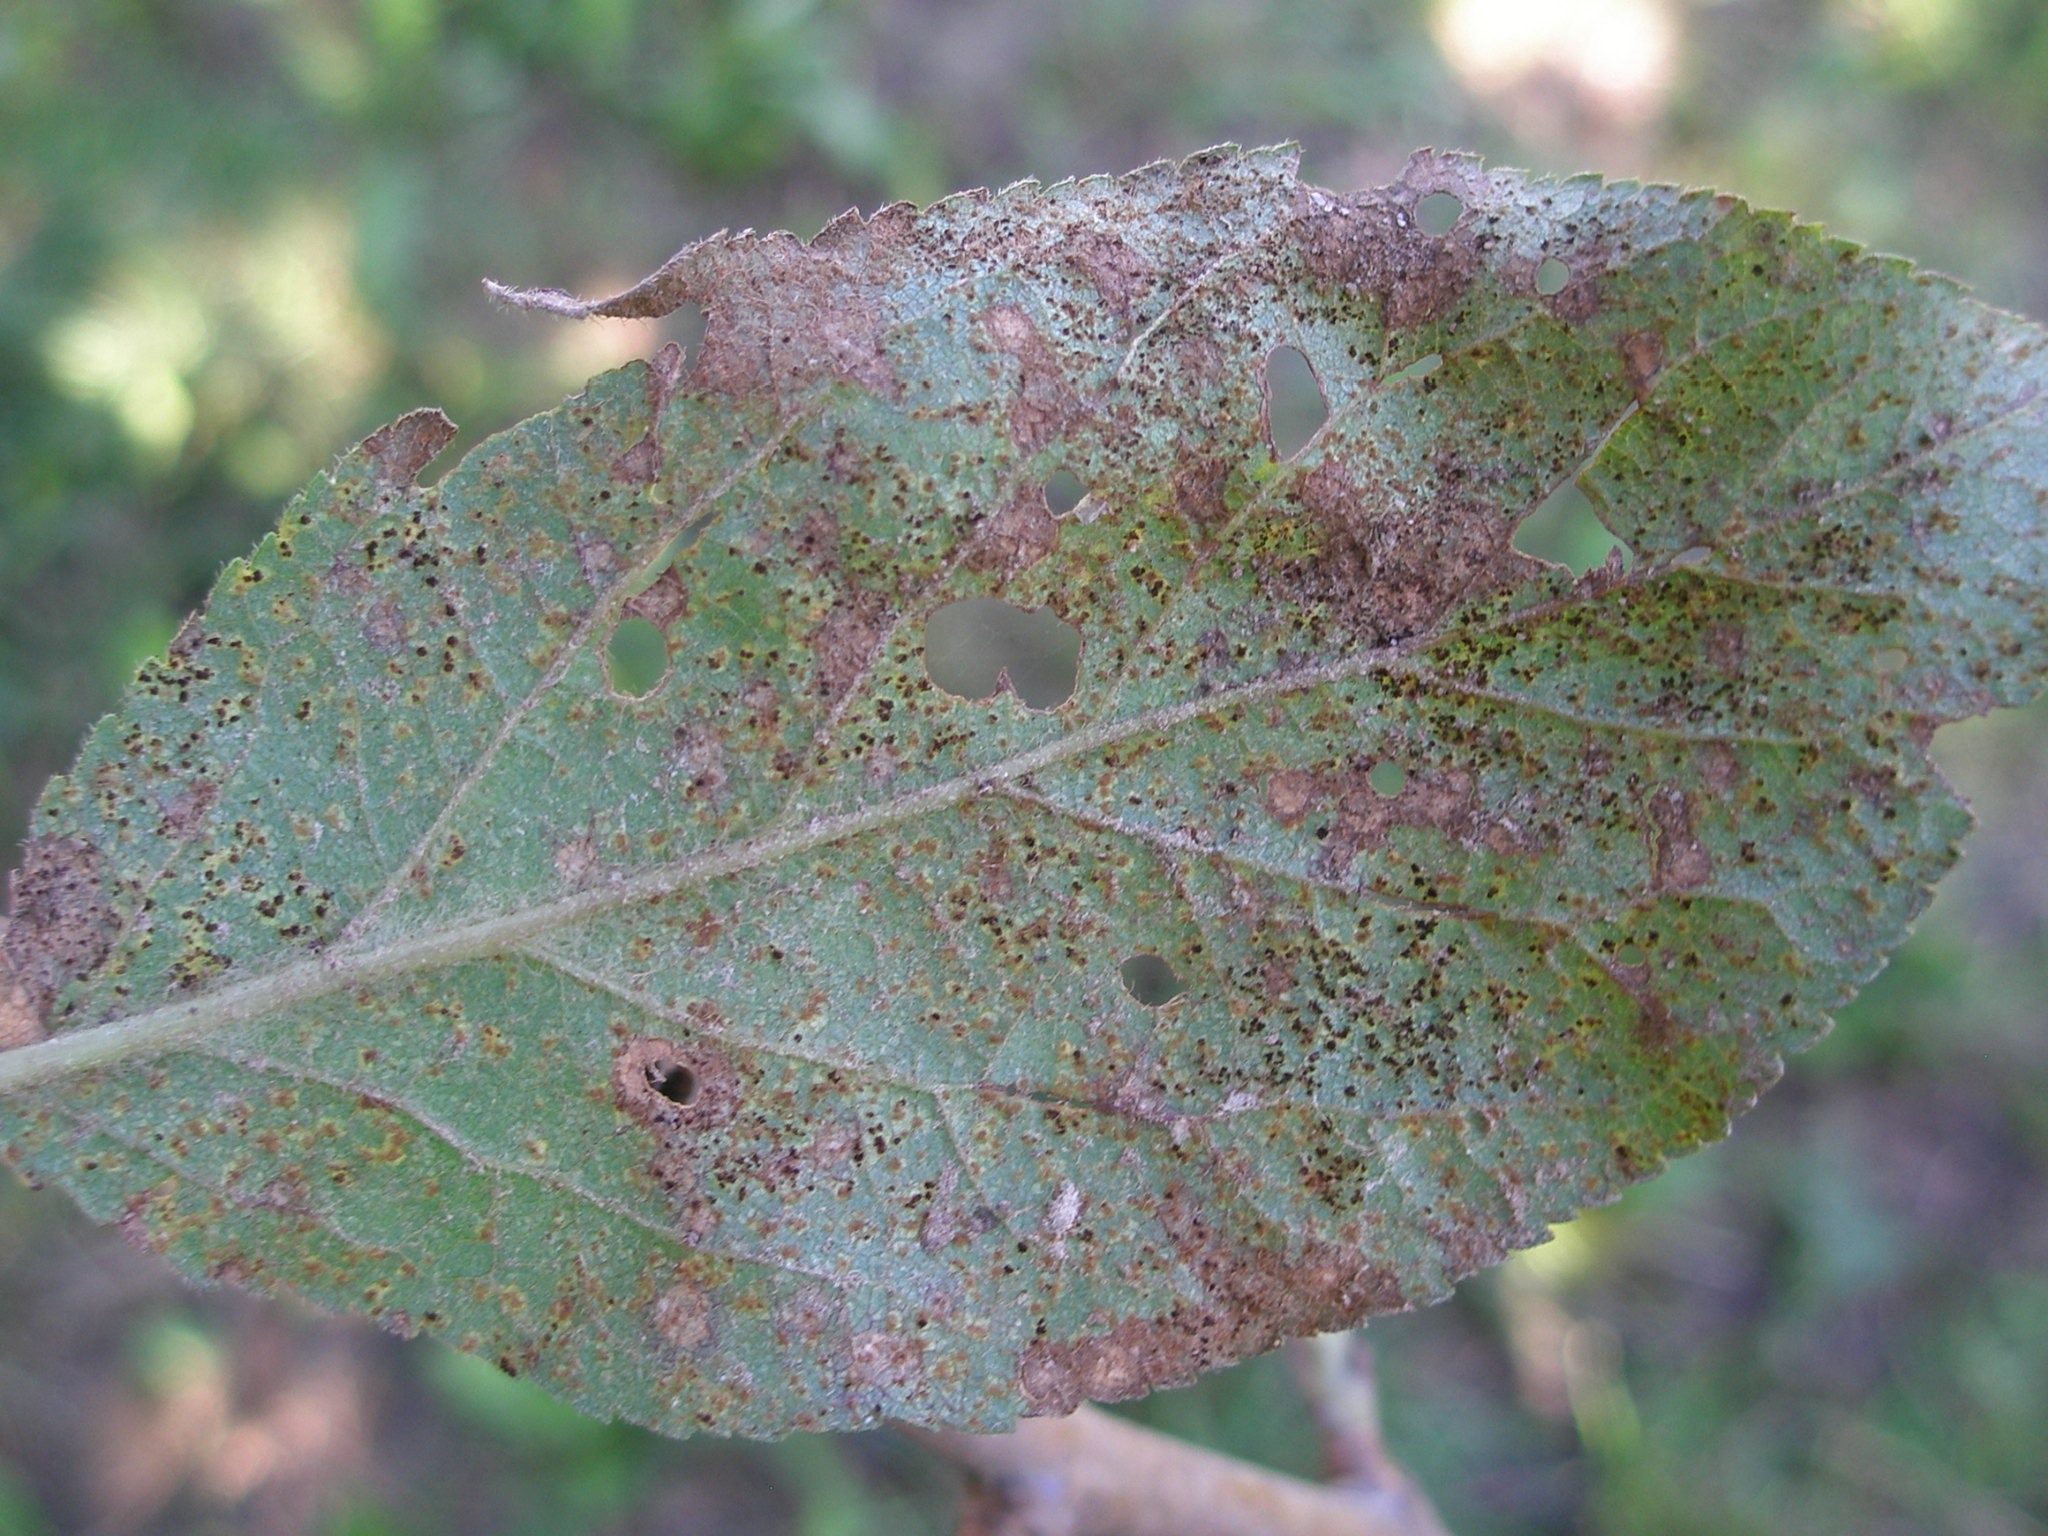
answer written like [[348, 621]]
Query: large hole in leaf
[[1151, 981], [1437, 213], [1063, 491], [972, 645], [1565, 530], [636, 658], [1295, 408], [1387, 779]]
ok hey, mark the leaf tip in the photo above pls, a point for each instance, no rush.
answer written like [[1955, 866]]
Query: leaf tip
[[405, 447]]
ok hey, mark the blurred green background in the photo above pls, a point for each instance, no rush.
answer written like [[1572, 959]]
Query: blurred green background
[[235, 235]]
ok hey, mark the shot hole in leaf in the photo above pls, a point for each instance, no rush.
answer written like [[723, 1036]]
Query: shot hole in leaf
[[1631, 955], [1151, 982], [673, 1081], [1387, 779], [1438, 213], [1421, 368], [972, 646], [1565, 530], [1552, 276], [1063, 491], [685, 326], [686, 542], [636, 658], [1295, 407]]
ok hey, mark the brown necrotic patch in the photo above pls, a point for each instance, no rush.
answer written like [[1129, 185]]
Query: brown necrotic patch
[[60, 926], [398, 452], [1045, 403], [845, 643], [1679, 863], [1357, 806], [1388, 567], [683, 1316], [1253, 1293], [1370, 244], [1017, 535]]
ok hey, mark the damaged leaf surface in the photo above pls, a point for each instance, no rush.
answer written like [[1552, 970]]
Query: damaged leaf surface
[[754, 1047]]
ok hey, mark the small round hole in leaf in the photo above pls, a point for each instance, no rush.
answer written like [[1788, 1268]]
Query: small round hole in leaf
[[1387, 779], [1552, 276], [1437, 213], [1151, 981], [1295, 408], [636, 657], [673, 1081], [972, 646], [1063, 491], [1631, 954]]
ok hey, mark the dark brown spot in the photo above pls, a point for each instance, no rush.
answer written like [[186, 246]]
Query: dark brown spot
[[1118, 273], [1290, 794], [888, 1360], [1383, 573]]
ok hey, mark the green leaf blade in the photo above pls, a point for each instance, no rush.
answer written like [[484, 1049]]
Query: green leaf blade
[[759, 1050]]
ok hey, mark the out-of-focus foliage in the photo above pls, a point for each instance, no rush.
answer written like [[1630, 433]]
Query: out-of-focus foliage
[[1830, 1323]]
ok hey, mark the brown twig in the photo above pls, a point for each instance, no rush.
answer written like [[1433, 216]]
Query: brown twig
[[1336, 1376], [1093, 1474]]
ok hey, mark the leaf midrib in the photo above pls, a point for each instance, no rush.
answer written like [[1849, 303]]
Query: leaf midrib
[[156, 1030]]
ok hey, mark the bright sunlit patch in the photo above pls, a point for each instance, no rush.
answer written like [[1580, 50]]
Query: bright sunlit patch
[[1615, 56], [130, 350], [1568, 1255]]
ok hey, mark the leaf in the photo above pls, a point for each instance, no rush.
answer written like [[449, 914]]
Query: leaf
[[788, 1041]]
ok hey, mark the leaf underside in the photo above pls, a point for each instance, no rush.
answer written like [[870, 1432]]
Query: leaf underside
[[761, 1052]]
